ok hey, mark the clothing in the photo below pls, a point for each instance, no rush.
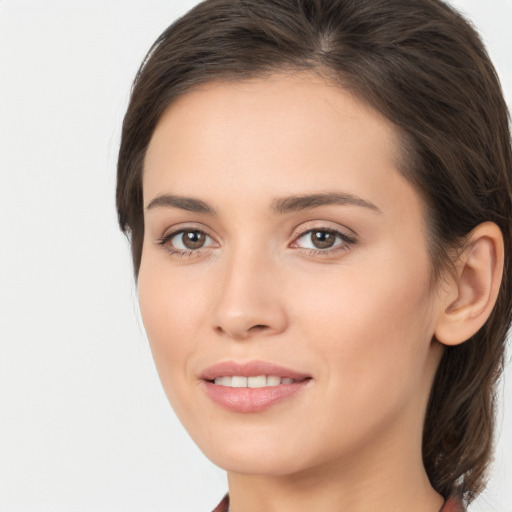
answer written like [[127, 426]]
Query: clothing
[[223, 506], [452, 505]]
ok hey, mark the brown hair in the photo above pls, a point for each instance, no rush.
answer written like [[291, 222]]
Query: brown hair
[[422, 66]]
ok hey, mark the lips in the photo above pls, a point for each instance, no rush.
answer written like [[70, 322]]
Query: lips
[[251, 387], [250, 369]]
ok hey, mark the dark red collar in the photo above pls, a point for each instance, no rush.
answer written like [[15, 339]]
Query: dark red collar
[[223, 506], [452, 505]]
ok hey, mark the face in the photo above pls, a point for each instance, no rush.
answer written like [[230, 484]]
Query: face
[[285, 282]]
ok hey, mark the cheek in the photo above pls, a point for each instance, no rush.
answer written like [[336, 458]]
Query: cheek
[[389, 295], [172, 311], [373, 326], [370, 337]]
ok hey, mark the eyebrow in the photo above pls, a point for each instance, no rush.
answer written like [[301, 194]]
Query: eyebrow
[[279, 206], [183, 203], [296, 203]]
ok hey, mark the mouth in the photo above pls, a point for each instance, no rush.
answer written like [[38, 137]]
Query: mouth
[[251, 387], [260, 381]]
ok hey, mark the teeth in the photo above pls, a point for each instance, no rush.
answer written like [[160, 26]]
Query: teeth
[[239, 382], [257, 382], [272, 380], [261, 381], [223, 381]]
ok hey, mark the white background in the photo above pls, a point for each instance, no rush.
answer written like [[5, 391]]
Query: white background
[[84, 424]]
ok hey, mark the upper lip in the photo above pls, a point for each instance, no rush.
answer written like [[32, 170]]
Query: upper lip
[[250, 369]]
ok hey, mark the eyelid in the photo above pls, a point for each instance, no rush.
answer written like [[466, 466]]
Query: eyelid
[[346, 235], [185, 226], [175, 230], [324, 226]]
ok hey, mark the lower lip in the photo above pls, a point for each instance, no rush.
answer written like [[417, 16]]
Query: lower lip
[[249, 400]]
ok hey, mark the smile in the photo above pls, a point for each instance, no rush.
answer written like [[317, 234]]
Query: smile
[[260, 381], [253, 386]]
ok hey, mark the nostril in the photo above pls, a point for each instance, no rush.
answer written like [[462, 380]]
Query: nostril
[[258, 328], [241, 333]]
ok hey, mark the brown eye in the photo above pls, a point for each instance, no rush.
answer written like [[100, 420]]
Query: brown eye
[[186, 240], [193, 239], [323, 239]]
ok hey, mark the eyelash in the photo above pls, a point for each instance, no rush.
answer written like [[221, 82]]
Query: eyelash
[[167, 237], [343, 241], [346, 242]]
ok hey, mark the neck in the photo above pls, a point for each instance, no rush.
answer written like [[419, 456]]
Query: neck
[[304, 493], [389, 479]]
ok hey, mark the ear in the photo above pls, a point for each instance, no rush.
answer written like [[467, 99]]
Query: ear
[[471, 294]]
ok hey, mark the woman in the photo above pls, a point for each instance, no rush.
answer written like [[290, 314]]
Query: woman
[[318, 195]]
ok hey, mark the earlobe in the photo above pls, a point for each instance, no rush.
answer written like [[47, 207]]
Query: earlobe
[[475, 286]]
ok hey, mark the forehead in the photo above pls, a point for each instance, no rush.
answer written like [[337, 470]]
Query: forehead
[[297, 105], [278, 135]]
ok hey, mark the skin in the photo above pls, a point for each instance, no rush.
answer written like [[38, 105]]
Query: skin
[[360, 319]]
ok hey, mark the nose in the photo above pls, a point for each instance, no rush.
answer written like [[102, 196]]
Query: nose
[[249, 297]]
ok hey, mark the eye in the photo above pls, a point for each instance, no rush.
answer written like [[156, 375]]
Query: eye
[[323, 240], [320, 239], [186, 241]]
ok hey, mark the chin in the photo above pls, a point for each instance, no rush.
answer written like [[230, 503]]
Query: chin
[[260, 465], [264, 458]]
